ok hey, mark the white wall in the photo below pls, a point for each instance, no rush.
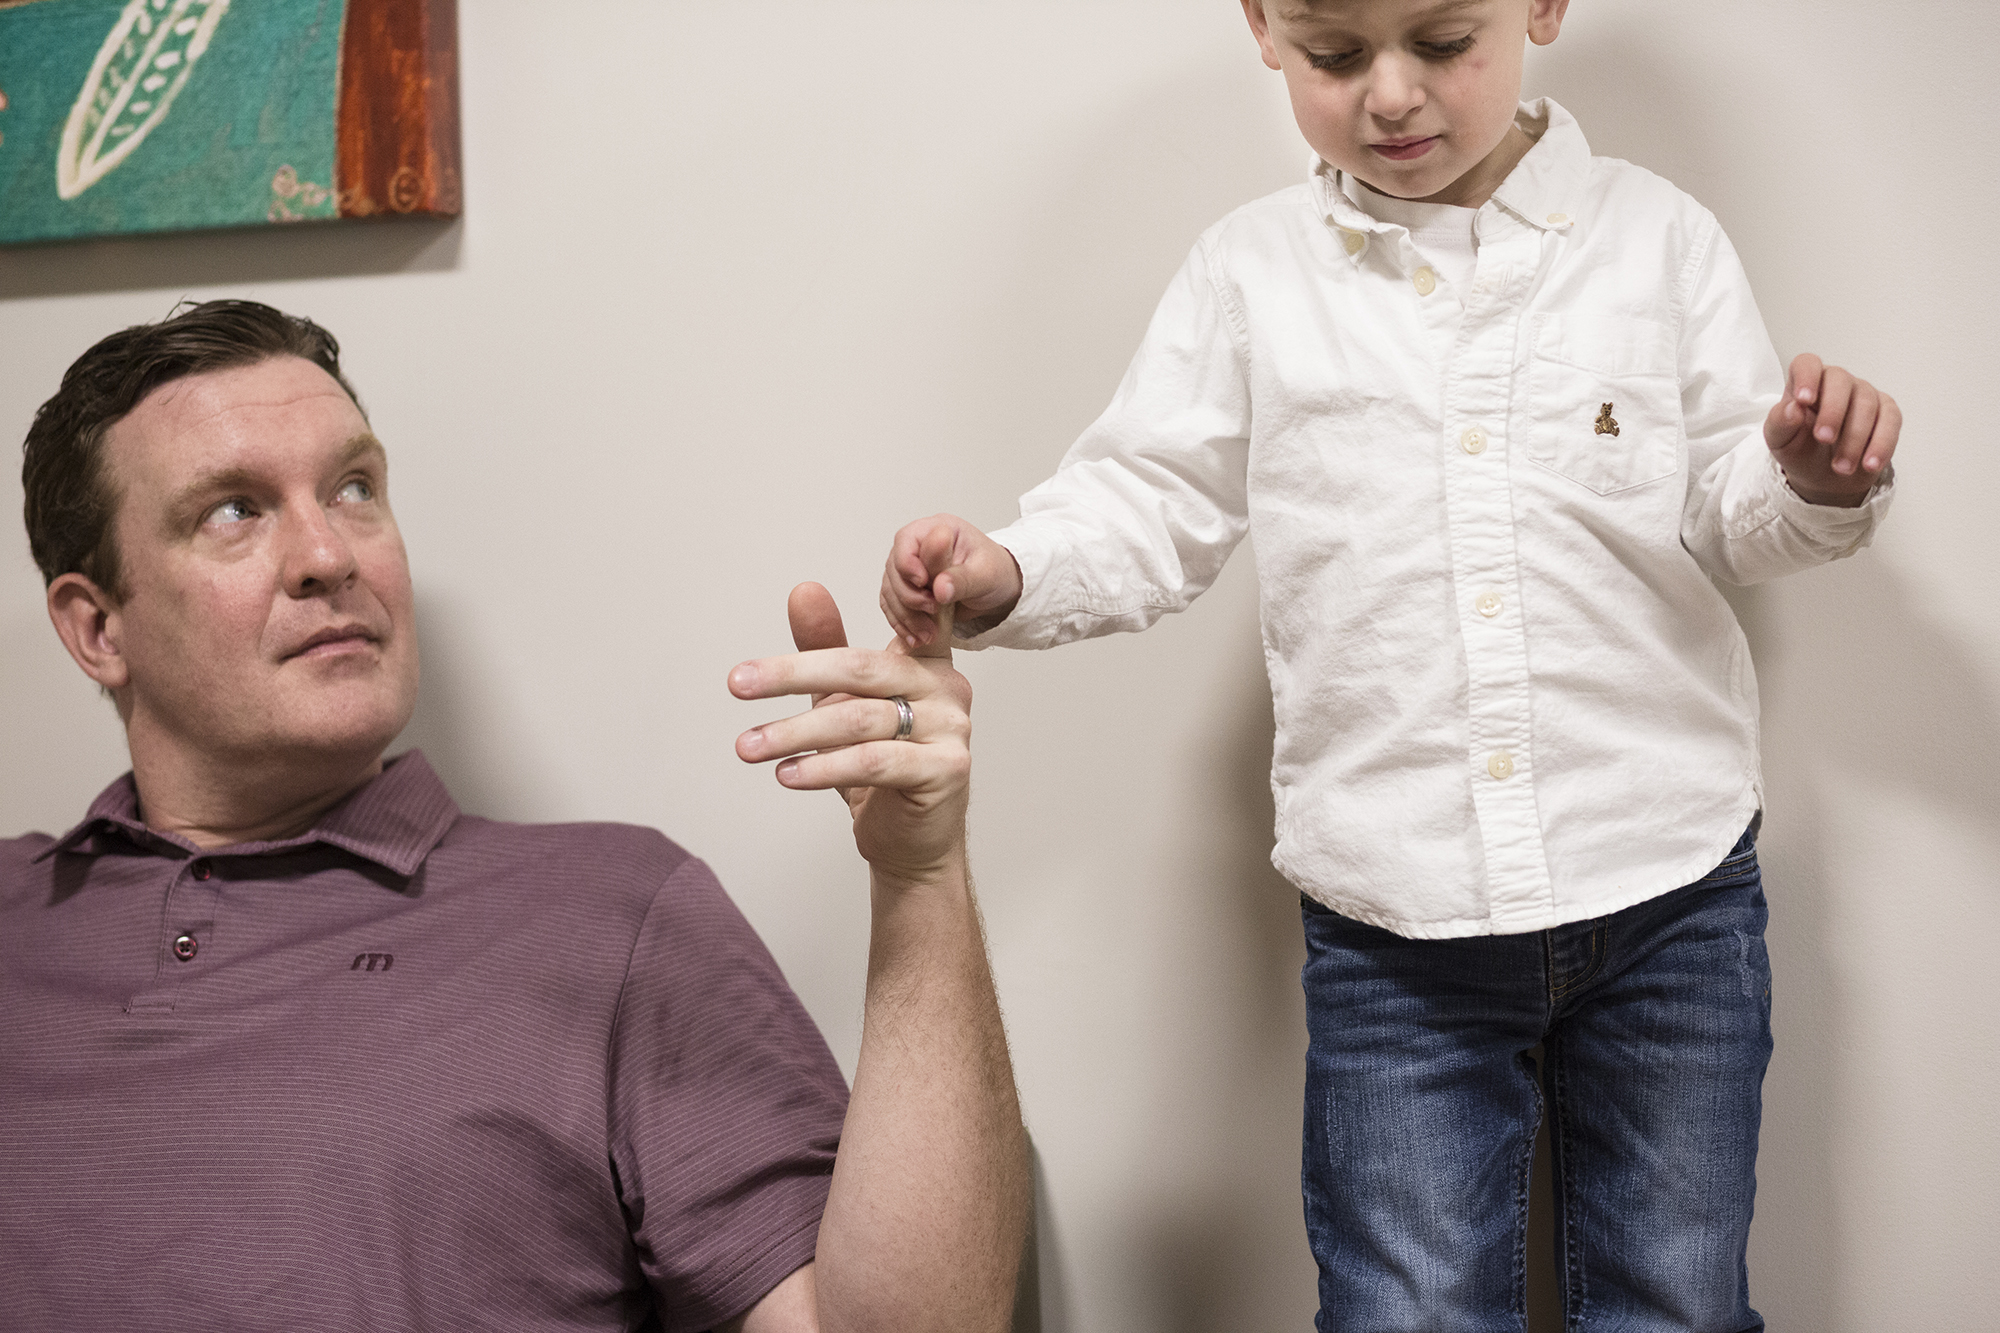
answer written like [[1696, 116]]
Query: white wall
[[741, 288]]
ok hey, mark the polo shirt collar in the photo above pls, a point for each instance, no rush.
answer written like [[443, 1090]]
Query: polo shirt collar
[[394, 821], [1545, 189]]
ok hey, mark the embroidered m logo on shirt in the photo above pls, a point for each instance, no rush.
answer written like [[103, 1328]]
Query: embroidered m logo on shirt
[[368, 962]]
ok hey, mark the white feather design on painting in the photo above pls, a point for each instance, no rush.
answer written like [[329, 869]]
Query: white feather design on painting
[[141, 68]]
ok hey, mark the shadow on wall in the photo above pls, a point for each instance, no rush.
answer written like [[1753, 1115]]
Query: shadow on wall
[[469, 736], [1226, 1250], [1855, 680], [197, 259]]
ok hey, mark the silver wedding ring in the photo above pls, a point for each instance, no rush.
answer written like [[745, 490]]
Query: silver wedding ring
[[906, 717]]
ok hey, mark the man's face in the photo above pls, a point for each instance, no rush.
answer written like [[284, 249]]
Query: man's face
[[1411, 96], [267, 608]]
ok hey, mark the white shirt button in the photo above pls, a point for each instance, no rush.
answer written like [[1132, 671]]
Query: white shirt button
[[1500, 764], [1473, 441], [1426, 281], [1353, 240], [1557, 219], [1489, 604]]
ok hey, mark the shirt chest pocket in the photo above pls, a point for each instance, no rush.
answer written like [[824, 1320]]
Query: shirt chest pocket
[[1604, 402]]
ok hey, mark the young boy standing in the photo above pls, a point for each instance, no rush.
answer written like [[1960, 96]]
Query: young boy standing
[[1492, 408]]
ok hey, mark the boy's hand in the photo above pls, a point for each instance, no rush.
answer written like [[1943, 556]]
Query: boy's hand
[[1833, 434], [940, 560]]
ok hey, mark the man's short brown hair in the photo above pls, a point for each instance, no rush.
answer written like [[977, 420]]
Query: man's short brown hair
[[70, 502]]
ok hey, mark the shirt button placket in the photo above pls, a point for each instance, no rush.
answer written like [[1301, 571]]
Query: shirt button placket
[[194, 908]]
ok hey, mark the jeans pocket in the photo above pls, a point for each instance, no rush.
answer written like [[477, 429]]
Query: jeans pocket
[[1604, 407]]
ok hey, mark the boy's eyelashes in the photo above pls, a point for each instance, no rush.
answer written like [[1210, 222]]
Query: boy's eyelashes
[[1333, 61]]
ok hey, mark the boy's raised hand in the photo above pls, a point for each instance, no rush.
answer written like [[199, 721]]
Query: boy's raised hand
[[941, 560], [1833, 434]]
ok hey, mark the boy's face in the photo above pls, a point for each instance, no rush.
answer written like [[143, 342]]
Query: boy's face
[[1414, 97]]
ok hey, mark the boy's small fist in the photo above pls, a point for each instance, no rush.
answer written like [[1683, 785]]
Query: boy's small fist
[[1833, 434], [939, 561]]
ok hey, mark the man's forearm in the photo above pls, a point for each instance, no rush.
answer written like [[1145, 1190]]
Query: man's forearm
[[929, 1205]]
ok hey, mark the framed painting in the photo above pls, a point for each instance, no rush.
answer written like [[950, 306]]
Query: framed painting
[[122, 116]]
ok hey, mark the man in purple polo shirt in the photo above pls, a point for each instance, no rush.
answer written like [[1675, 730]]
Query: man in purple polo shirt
[[286, 1040]]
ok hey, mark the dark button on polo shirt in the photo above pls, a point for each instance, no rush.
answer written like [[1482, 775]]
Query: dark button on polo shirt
[[412, 1070]]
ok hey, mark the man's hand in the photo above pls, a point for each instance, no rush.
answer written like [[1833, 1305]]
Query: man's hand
[[1833, 434], [928, 1207], [907, 796], [940, 560]]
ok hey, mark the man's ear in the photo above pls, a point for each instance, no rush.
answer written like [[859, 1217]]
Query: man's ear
[[1545, 20], [1261, 26], [87, 621]]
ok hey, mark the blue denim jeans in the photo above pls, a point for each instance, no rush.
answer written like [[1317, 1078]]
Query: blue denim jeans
[[1422, 1103]]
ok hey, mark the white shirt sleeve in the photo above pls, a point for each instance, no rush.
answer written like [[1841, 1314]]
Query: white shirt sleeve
[[1742, 522], [1150, 501]]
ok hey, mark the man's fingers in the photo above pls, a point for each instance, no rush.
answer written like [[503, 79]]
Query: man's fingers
[[937, 644], [857, 671], [815, 618], [894, 764], [850, 722]]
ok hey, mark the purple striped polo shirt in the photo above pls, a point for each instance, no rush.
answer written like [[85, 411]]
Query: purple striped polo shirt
[[412, 1070]]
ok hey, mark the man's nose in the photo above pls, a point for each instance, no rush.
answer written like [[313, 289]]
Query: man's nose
[[1395, 87], [317, 557]]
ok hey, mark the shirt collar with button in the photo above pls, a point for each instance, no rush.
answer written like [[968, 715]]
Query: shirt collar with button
[[1545, 189], [394, 821]]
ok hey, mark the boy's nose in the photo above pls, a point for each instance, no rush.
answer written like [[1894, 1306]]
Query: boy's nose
[[1395, 88]]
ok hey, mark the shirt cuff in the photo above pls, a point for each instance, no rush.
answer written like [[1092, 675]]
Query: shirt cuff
[[1035, 552], [1833, 524]]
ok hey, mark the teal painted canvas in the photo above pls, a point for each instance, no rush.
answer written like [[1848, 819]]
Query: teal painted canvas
[[120, 116]]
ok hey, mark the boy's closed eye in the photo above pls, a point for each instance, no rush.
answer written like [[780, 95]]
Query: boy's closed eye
[[1347, 60]]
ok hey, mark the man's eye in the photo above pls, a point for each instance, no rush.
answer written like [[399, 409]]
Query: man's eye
[[230, 511], [1446, 50], [1332, 60], [356, 491]]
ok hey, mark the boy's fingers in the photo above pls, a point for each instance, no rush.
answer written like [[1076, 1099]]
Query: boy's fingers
[[1836, 390], [949, 585], [907, 552], [1803, 381], [1888, 429], [1862, 410], [1783, 423], [934, 548]]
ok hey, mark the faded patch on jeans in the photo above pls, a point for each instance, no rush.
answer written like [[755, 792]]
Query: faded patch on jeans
[[1751, 961]]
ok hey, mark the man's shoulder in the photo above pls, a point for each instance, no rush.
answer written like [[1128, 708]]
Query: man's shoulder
[[22, 864]]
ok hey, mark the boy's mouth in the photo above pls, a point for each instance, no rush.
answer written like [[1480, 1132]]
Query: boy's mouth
[[1402, 150]]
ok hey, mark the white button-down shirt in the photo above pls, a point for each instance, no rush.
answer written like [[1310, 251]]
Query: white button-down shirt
[[1508, 694]]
